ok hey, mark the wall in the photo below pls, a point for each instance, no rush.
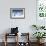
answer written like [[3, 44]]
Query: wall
[[23, 24]]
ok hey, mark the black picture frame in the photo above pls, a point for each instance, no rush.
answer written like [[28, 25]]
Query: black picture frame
[[17, 13]]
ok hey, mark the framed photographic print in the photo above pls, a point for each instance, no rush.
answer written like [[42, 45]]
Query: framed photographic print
[[16, 13]]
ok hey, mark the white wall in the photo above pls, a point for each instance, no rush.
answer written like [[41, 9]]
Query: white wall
[[23, 24]]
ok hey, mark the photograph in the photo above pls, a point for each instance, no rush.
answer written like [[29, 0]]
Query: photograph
[[17, 13]]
